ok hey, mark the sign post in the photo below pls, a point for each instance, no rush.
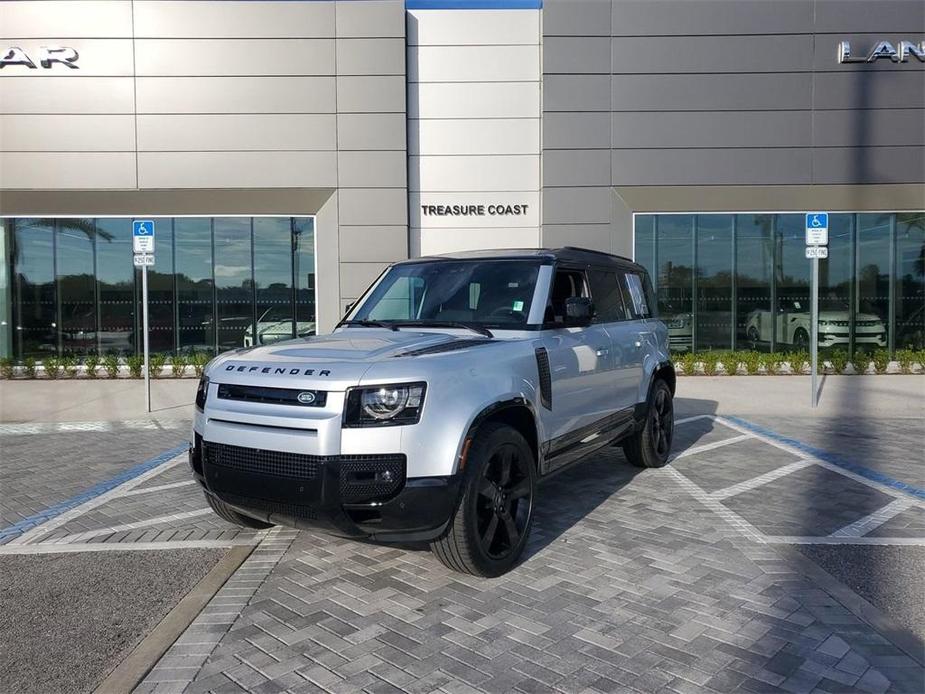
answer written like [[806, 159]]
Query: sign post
[[143, 248], [817, 241]]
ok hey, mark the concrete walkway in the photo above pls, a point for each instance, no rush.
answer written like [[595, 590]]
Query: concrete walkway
[[122, 399], [897, 396], [95, 400]]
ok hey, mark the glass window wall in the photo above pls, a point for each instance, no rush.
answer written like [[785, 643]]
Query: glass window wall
[[217, 283], [742, 281]]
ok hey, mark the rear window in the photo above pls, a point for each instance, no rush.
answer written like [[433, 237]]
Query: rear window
[[639, 292]]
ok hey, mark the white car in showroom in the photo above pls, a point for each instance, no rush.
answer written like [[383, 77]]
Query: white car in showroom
[[275, 324], [793, 326]]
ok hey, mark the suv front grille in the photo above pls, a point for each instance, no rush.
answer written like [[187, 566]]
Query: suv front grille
[[273, 396], [362, 478], [253, 460]]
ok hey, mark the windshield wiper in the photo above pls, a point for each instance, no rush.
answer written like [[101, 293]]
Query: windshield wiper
[[444, 324], [368, 324]]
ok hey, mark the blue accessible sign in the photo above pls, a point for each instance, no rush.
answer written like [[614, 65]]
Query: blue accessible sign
[[143, 236], [817, 228]]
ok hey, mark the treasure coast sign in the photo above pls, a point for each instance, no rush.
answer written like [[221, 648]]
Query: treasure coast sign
[[493, 210]]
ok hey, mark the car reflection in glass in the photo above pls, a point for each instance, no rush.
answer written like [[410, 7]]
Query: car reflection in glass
[[275, 324], [793, 325]]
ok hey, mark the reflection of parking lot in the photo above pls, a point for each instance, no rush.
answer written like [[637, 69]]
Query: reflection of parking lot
[[668, 579]]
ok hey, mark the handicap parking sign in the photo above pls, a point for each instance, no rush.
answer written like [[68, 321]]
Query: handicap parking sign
[[143, 236], [817, 228]]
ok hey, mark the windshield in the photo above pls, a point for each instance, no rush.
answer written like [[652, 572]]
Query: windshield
[[487, 293]]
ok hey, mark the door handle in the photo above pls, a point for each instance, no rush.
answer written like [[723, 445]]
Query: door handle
[[602, 351]]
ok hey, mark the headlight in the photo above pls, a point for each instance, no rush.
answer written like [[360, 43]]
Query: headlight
[[384, 405], [823, 322], [202, 392]]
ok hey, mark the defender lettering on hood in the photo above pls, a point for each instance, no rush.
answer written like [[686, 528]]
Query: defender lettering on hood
[[278, 370]]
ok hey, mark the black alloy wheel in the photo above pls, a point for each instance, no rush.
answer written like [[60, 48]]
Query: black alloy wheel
[[801, 340], [662, 416], [650, 444], [489, 529], [504, 503]]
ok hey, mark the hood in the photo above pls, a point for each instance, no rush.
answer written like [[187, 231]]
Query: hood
[[334, 361]]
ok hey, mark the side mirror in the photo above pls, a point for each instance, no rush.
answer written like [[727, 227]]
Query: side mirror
[[578, 311]]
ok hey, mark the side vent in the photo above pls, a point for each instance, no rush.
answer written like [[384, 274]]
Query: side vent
[[542, 365]]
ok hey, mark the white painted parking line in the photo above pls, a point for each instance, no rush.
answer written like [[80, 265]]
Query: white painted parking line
[[147, 523], [158, 488], [853, 534], [829, 540], [695, 418], [864, 525], [755, 482], [16, 429], [128, 546], [735, 520], [871, 483], [56, 522], [886, 489], [711, 446]]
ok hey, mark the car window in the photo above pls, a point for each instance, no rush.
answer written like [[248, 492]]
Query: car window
[[567, 284], [401, 300], [607, 297], [633, 284], [493, 293]]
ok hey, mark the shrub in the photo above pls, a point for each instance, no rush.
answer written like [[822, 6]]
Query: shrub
[[136, 363], [6, 367], [52, 367], [686, 361], [838, 359], [70, 365], [92, 365], [753, 361], [708, 359], [910, 357], [111, 365], [29, 367], [156, 364], [880, 358], [178, 364], [730, 362], [199, 361]]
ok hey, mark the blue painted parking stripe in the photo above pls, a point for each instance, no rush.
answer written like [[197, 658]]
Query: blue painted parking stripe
[[832, 458], [52, 511]]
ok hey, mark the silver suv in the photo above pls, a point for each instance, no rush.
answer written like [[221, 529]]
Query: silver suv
[[451, 387]]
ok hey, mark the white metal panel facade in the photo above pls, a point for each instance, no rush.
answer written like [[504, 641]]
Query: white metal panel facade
[[474, 128]]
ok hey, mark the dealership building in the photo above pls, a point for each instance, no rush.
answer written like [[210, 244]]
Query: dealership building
[[287, 151]]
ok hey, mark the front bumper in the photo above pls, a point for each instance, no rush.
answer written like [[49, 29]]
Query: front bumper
[[829, 338], [348, 495]]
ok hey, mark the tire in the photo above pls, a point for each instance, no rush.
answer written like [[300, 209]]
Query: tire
[[801, 340], [225, 512], [489, 530], [651, 445], [753, 336]]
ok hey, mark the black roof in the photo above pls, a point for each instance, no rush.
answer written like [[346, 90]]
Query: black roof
[[569, 254]]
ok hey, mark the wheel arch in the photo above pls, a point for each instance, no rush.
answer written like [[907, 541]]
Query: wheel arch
[[518, 413]]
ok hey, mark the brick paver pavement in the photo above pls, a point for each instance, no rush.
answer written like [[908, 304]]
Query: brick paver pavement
[[631, 584]]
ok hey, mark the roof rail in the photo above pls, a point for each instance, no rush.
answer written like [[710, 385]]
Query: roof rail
[[591, 250]]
